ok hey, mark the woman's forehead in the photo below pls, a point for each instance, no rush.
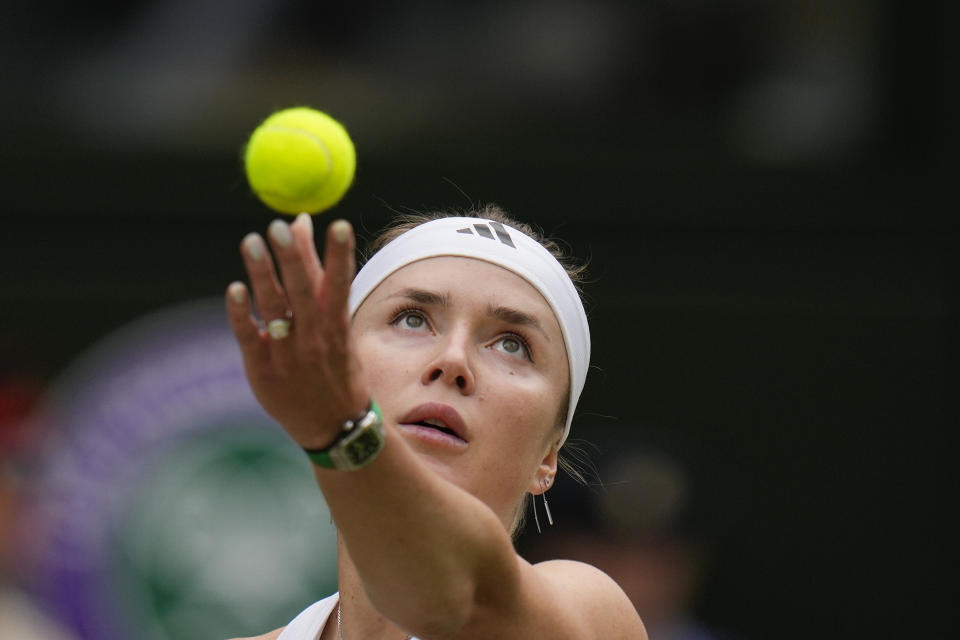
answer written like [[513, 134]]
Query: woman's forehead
[[467, 281]]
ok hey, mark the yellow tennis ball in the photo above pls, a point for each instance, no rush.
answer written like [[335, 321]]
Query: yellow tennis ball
[[300, 160]]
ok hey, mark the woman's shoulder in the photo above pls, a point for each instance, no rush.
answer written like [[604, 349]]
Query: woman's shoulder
[[273, 635], [579, 577], [588, 589]]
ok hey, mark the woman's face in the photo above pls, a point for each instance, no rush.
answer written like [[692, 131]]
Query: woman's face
[[462, 345]]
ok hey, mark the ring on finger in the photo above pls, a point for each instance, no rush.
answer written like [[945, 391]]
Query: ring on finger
[[279, 328]]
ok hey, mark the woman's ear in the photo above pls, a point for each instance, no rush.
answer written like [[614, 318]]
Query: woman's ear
[[546, 470]]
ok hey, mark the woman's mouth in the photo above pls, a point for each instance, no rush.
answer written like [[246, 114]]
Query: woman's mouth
[[433, 423], [433, 435], [436, 423]]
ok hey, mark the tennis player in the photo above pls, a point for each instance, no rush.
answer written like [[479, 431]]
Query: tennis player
[[433, 393]]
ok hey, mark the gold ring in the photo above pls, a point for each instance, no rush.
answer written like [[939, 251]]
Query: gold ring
[[279, 328]]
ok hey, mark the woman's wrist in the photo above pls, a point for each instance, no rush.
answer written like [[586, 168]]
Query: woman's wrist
[[321, 422], [358, 443]]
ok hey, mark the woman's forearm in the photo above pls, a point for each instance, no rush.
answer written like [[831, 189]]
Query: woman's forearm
[[428, 553]]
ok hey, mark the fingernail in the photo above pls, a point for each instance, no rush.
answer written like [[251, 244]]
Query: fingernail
[[307, 220], [280, 232], [236, 291], [341, 231], [253, 243]]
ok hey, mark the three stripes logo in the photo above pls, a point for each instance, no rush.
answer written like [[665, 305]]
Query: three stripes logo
[[484, 231]]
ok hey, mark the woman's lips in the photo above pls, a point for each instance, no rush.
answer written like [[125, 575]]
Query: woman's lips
[[436, 422], [432, 436]]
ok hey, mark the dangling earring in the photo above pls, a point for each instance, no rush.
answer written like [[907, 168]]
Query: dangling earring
[[533, 503], [544, 484], [546, 505]]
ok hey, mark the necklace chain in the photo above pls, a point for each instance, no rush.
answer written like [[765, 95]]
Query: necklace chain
[[340, 624]]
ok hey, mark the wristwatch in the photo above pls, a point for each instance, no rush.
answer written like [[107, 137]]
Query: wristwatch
[[359, 442]]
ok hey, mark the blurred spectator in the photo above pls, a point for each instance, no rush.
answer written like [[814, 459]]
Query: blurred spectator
[[642, 527], [21, 618]]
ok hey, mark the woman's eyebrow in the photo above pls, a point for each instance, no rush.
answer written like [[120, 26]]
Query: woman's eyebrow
[[442, 299], [424, 297], [517, 317]]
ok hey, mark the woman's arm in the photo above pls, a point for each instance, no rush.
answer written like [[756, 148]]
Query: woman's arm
[[438, 562], [432, 558]]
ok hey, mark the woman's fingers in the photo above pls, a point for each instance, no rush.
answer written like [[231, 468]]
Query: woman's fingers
[[306, 283], [302, 229], [299, 266], [315, 296], [255, 352], [340, 264], [267, 292]]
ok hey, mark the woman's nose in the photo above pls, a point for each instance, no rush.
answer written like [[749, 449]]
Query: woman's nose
[[451, 366]]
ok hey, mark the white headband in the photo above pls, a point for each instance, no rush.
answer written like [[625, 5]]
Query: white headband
[[503, 246]]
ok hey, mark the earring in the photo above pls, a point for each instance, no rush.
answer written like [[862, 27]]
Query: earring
[[546, 505], [533, 503]]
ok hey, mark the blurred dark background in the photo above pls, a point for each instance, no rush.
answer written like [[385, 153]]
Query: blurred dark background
[[761, 188]]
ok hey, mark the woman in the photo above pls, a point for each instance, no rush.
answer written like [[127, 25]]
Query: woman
[[433, 393]]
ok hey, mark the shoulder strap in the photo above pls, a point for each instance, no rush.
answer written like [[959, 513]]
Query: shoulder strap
[[310, 622]]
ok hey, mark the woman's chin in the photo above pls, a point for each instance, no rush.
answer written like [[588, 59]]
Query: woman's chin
[[440, 456]]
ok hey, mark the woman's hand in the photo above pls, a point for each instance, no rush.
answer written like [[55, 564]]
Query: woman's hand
[[308, 381]]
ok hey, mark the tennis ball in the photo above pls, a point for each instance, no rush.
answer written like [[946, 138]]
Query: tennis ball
[[300, 160]]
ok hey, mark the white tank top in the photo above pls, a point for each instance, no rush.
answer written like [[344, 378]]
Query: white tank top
[[311, 621]]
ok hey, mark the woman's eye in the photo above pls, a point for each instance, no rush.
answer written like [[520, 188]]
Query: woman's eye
[[410, 319], [412, 322], [513, 346]]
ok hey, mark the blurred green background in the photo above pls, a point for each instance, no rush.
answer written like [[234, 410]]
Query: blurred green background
[[762, 191]]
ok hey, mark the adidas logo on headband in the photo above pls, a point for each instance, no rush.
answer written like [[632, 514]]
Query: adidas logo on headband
[[484, 230]]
